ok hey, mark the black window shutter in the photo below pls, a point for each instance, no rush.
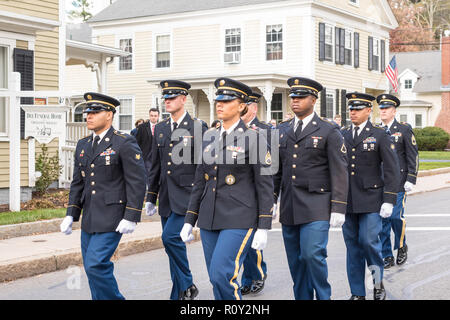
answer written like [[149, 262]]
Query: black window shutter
[[323, 102], [24, 64], [336, 45], [337, 102], [370, 53], [383, 50], [356, 51], [321, 41], [342, 46], [343, 107]]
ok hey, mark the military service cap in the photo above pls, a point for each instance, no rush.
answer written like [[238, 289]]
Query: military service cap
[[96, 102], [358, 101], [229, 89], [387, 100], [254, 97], [303, 87], [174, 88]]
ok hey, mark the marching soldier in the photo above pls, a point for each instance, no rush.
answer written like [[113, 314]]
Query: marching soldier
[[408, 155], [370, 152], [107, 187], [255, 268], [231, 200], [313, 182], [171, 177]]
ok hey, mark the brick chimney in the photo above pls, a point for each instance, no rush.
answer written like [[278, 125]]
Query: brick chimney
[[443, 119]]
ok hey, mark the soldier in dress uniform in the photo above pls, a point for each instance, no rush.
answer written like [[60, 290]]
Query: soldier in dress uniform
[[370, 197], [255, 268], [231, 200], [107, 188], [171, 177], [408, 156], [313, 182]]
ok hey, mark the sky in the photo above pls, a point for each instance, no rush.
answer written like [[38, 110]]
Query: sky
[[98, 5]]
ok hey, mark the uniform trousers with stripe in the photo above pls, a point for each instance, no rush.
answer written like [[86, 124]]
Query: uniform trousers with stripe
[[306, 250], [225, 251], [97, 250], [361, 235], [398, 224], [176, 250], [254, 267]]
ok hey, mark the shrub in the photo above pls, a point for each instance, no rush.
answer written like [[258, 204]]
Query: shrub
[[431, 138], [49, 168]]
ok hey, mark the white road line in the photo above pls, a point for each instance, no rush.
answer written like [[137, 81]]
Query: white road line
[[427, 215], [407, 229]]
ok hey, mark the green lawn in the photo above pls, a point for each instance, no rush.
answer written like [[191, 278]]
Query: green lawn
[[433, 165], [437, 155], [30, 215]]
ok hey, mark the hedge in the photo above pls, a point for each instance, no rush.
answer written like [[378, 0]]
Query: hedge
[[431, 138]]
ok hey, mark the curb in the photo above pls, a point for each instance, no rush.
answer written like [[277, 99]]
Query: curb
[[433, 172], [39, 264]]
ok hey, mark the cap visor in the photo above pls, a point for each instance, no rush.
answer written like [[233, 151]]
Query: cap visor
[[223, 97]]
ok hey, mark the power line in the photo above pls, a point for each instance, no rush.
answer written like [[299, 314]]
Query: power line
[[417, 43]]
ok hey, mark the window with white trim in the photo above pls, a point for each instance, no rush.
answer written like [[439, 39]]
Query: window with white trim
[[274, 42], [403, 118], [408, 84], [163, 51], [276, 109], [328, 43], [4, 69], [348, 48], [125, 114], [126, 63], [376, 54], [418, 119], [330, 106], [233, 40]]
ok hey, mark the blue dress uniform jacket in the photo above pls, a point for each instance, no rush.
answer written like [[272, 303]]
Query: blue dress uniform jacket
[[234, 195], [405, 143], [368, 190], [107, 185], [312, 175], [164, 174]]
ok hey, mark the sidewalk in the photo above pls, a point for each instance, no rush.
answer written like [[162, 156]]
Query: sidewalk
[[24, 255]]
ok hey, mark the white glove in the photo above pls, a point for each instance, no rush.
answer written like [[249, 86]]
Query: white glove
[[186, 233], [66, 225], [337, 219], [150, 208], [260, 239], [274, 212], [126, 226], [408, 186], [386, 210]]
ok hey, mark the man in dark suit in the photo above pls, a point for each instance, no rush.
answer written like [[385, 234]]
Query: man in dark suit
[[144, 136], [171, 177], [108, 175], [255, 268], [370, 197], [402, 137], [314, 183]]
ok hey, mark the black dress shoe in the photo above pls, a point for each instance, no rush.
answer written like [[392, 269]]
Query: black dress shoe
[[402, 255], [190, 293], [245, 290], [258, 285], [353, 297], [379, 293], [389, 262]]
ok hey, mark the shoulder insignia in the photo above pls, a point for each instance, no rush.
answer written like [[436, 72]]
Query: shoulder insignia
[[413, 140], [138, 156], [120, 134], [343, 148], [268, 159]]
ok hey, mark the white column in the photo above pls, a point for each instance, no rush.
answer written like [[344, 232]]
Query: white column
[[267, 91], [14, 144], [210, 94], [104, 73]]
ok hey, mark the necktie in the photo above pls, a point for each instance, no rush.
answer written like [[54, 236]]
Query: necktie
[[387, 130], [356, 133], [95, 145], [175, 125], [153, 129], [298, 131]]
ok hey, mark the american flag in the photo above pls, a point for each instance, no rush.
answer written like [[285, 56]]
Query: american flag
[[392, 73]]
